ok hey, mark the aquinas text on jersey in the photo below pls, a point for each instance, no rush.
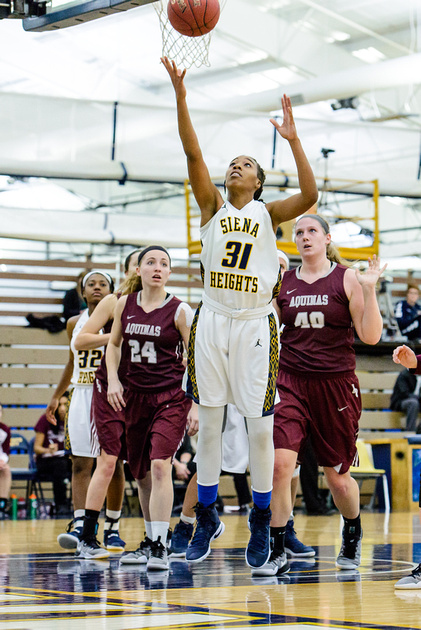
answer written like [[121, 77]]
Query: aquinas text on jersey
[[143, 329], [235, 224], [233, 281], [309, 300]]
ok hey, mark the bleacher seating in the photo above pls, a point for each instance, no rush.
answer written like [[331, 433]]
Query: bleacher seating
[[38, 286]]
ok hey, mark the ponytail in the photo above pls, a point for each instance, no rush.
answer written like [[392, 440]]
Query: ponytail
[[131, 284]]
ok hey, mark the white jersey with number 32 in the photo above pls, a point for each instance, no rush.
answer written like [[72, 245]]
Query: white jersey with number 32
[[86, 362]]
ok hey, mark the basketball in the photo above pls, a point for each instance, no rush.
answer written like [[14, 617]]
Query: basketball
[[193, 17]]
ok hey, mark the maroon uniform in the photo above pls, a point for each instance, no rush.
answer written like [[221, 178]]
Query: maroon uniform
[[4, 442], [110, 424], [156, 346], [317, 384], [52, 435], [156, 407], [318, 334]]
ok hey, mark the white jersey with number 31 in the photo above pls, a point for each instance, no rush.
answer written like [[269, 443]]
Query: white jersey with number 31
[[239, 256]]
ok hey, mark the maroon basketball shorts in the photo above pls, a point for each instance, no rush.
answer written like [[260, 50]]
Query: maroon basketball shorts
[[326, 409], [155, 426], [110, 425]]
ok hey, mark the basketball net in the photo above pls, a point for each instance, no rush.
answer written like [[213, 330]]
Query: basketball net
[[185, 51]]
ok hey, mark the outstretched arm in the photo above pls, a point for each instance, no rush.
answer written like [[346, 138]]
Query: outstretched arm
[[207, 195], [363, 306], [286, 209]]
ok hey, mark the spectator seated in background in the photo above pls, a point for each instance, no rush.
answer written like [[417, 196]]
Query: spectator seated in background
[[5, 474], [73, 302], [51, 460], [406, 397], [408, 314]]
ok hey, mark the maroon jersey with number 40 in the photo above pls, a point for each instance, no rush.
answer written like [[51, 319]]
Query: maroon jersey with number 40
[[154, 344], [318, 335]]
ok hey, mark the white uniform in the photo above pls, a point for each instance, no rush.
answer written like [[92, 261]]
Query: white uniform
[[235, 443], [82, 433], [233, 354]]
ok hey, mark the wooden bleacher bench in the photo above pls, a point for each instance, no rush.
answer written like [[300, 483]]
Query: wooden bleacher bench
[[41, 284], [376, 389], [31, 361]]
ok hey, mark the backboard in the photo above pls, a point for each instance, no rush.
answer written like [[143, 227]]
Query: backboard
[[63, 14]]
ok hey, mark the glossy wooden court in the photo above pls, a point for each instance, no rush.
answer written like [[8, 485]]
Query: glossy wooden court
[[41, 587]]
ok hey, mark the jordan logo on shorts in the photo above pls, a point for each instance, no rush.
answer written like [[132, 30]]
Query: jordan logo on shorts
[[354, 390], [258, 344]]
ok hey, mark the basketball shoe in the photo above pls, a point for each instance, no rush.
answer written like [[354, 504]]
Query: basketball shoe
[[158, 557], [277, 563], [208, 527], [350, 554], [412, 581], [141, 555], [91, 549], [71, 537], [112, 540], [258, 548], [180, 539], [294, 547]]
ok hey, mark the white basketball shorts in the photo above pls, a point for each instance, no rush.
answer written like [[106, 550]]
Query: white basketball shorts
[[82, 433], [233, 360]]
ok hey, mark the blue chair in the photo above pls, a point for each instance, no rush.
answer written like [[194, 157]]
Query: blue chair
[[19, 445]]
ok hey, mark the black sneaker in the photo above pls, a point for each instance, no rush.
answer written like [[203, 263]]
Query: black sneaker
[[208, 527], [258, 549], [158, 558], [350, 554]]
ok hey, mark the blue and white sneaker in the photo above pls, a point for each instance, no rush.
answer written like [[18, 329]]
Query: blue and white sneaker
[[112, 541], [258, 549], [71, 537], [294, 547], [180, 539], [208, 527]]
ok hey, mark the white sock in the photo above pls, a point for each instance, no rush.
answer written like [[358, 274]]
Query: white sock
[[114, 515], [148, 528], [78, 518], [160, 530], [187, 519]]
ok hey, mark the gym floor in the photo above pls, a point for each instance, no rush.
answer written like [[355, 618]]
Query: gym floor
[[41, 587]]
